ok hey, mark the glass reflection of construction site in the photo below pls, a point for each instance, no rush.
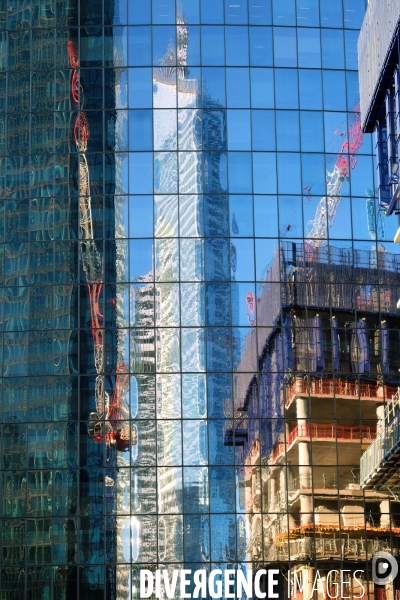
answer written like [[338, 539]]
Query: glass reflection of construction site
[[326, 345], [326, 368]]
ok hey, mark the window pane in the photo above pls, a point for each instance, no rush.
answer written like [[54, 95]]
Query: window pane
[[332, 49], [239, 130], [287, 130], [141, 173], [285, 48], [286, 90], [354, 11], [212, 45], [140, 130], [260, 12], [312, 133], [212, 11], [164, 44], [331, 13], [237, 88], [237, 46], [307, 13], [289, 175], [261, 46], [263, 129], [239, 172], [190, 11], [140, 88], [140, 216], [213, 86], [334, 90], [310, 89], [351, 38], [284, 12], [163, 11], [236, 12], [139, 12], [309, 48], [139, 46], [262, 88]]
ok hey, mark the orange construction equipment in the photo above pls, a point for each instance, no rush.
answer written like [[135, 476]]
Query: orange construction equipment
[[110, 422], [327, 207]]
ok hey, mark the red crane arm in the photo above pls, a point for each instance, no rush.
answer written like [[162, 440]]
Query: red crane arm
[[107, 423]]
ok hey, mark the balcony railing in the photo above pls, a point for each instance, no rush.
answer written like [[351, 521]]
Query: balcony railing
[[338, 387], [324, 481], [316, 431], [331, 431]]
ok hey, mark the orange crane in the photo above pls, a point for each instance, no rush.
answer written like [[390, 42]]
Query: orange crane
[[327, 207], [110, 422]]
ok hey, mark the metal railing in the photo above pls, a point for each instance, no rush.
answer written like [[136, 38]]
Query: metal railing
[[387, 440], [324, 481], [324, 431], [345, 547], [392, 407], [331, 431], [338, 387], [381, 449]]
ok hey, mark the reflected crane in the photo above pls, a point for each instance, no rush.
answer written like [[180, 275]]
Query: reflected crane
[[110, 422], [327, 207]]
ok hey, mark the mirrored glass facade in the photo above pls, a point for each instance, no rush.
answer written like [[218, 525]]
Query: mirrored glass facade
[[199, 295]]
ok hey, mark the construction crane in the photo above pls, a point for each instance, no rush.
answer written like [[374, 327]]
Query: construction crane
[[110, 421], [327, 207]]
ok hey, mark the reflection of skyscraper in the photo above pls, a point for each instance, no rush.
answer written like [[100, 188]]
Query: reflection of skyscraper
[[173, 303], [191, 202]]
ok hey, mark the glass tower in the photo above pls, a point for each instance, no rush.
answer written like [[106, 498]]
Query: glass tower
[[199, 321]]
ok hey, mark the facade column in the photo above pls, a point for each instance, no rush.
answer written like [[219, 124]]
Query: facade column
[[304, 460], [306, 507], [305, 473], [282, 483], [385, 513], [302, 408], [271, 495], [303, 419]]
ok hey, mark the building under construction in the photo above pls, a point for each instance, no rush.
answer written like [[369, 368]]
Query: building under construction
[[325, 367]]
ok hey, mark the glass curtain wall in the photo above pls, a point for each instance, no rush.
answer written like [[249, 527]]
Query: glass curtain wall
[[39, 300], [199, 322]]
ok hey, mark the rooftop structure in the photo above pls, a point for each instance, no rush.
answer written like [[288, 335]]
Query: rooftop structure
[[379, 76], [378, 55]]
